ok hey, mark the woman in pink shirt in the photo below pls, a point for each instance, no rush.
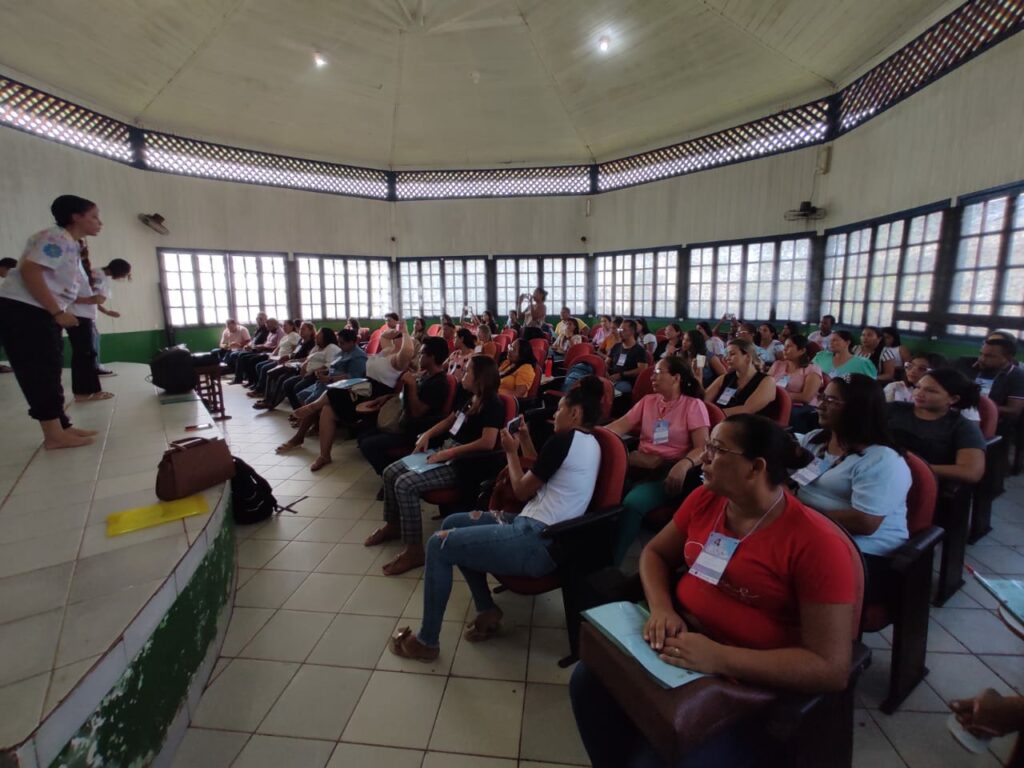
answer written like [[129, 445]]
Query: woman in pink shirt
[[802, 379], [673, 426]]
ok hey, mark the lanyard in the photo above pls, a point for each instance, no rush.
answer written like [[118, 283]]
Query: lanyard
[[760, 520]]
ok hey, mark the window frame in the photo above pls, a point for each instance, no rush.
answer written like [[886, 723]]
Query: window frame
[[230, 288], [635, 287], [442, 301], [345, 259]]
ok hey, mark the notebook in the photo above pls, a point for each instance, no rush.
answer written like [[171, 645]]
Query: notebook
[[417, 462], [1009, 593], [346, 383], [623, 624]]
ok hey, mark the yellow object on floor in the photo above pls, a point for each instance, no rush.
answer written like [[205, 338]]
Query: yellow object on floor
[[129, 520]]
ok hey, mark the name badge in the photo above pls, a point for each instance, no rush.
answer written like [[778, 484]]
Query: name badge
[[621, 362], [812, 471], [660, 431], [714, 558], [985, 385], [460, 419], [783, 382], [727, 394]]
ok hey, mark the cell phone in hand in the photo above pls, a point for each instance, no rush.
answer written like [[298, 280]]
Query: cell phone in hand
[[514, 425]]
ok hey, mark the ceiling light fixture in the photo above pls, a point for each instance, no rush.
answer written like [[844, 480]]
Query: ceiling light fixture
[[604, 43], [318, 59]]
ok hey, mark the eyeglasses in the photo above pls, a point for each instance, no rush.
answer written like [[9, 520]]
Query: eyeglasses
[[912, 367], [828, 401], [711, 449]]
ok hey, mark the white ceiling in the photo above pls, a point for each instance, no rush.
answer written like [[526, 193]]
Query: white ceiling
[[449, 83]]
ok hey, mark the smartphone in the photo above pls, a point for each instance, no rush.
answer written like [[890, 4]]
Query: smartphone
[[513, 426]]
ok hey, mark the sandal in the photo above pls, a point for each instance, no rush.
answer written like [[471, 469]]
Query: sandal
[[381, 535], [93, 396], [477, 631], [405, 644], [401, 563]]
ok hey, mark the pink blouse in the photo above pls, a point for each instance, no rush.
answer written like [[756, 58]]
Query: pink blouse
[[794, 382]]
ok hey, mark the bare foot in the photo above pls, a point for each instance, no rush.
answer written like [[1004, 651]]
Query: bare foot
[[386, 532], [93, 396], [66, 439], [300, 413], [319, 464], [82, 432], [406, 560], [285, 447]]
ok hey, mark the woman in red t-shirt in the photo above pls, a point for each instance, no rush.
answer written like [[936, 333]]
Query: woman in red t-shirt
[[779, 613]]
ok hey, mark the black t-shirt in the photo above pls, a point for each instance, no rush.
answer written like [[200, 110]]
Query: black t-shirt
[[260, 337], [934, 441], [635, 355], [432, 392], [491, 414], [305, 347], [740, 396]]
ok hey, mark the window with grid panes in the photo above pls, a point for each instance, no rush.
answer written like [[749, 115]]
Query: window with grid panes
[[180, 288], [885, 269], [605, 285], [358, 288], [835, 270], [311, 295], [258, 284], [919, 263], [759, 277], [212, 275], [554, 285], [465, 284], [982, 282], [729, 279], [702, 277], [792, 281], [667, 274], [623, 298], [409, 288], [476, 284], [643, 284], [847, 262], [516, 276], [335, 289], [421, 285], [380, 288]]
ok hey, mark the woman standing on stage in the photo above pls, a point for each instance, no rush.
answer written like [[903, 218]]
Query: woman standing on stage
[[33, 315]]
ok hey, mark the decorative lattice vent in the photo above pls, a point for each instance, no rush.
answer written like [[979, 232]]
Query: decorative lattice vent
[[502, 182], [964, 33], [784, 131], [34, 111], [189, 157]]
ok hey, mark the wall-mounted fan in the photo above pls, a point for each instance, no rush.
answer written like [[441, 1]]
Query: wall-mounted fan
[[155, 222], [806, 212]]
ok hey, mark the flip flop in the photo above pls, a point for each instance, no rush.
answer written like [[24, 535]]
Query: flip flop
[[478, 633], [405, 644], [379, 536], [93, 396]]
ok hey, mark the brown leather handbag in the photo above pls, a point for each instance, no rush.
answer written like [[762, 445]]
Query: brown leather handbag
[[192, 465]]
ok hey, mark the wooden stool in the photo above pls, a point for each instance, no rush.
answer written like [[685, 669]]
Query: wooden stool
[[210, 391]]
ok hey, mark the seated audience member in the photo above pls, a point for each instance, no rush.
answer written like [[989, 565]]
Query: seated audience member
[[287, 367], [284, 349], [472, 429], [611, 339], [465, 348], [563, 317], [670, 345], [715, 345], [334, 405], [1000, 379], [883, 358], [349, 363], [245, 363], [628, 358], [513, 323], [352, 324], [644, 335], [839, 360], [795, 635], [902, 391], [567, 337], [789, 330], [822, 336], [744, 388], [891, 339], [601, 331], [692, 346], [423, 398], [517, 373], [858, 478], [419, 330], [558, 487], [933, 428], [448, 334], [233, 339], [484, 341], [487, 319], [673, 425], [802, 379], [320, 358], [769, 348]]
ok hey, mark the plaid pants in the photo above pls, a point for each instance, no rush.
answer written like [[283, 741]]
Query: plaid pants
[[402, 489]]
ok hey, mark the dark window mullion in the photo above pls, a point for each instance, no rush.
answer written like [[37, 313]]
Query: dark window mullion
[[1006, 234]]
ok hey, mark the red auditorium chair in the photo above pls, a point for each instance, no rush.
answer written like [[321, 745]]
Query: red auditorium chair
[[449, 405], [581, 546], [643, 384], [540, 349], [463, 497], [813, 348], [434, 330], [798, 729], [373, 345], [779, 409], [501, 345]]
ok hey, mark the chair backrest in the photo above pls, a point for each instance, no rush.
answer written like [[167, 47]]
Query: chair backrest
[[859, 576], [715, 414], [501, 344], [607, 401], [575, 351], [449, 398], [778, 410], [511, 406], [813, 348], [611, 475], [540, 349], [643, 384], [373, 347], [989, 413], [534, 391], [660, 334], [434, 330], [595, 362], [923, 493], [584, 332]]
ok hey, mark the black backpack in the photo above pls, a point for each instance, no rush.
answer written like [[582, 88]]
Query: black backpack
[[252, 500], [171, 370]]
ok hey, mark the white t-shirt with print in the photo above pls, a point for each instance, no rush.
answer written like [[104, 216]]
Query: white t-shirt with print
[[60, 254], [90, 311]]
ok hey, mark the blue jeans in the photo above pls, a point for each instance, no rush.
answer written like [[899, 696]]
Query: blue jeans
[[262, 369], [478, 543], [612, 741], [625, 386], [310, 393]]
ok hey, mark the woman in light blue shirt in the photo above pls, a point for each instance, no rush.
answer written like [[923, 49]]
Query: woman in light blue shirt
[[839, 360], [858, 479]]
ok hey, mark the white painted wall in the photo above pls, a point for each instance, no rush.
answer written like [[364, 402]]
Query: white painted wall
[[960, 135]]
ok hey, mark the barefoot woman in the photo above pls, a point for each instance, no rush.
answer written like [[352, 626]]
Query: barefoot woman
[[33, 315]]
